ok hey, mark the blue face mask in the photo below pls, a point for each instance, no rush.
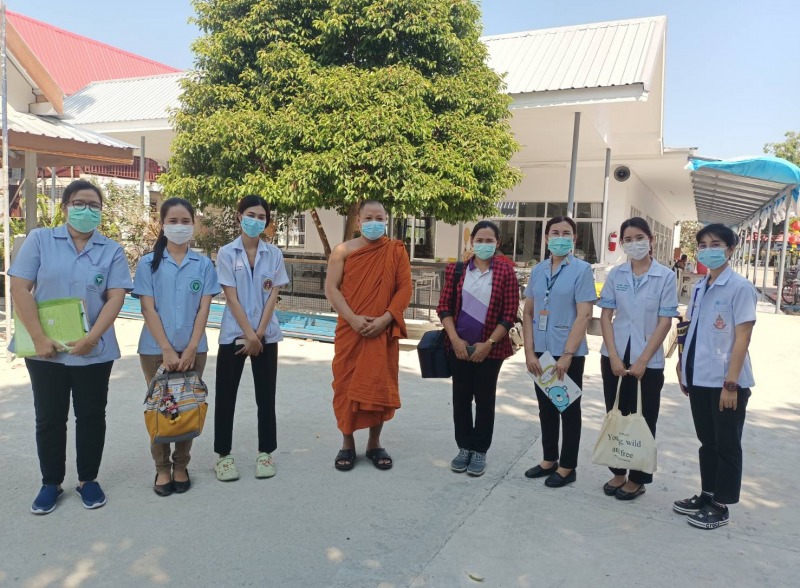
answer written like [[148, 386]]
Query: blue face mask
[[373, 230], [252, 227], [560, 246], [712, 257], [484, 251], [83, 221]]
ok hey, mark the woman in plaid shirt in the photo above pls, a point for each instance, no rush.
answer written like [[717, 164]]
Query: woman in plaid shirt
[[477, 313]]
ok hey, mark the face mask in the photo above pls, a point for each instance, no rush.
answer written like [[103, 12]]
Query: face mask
[[373, 229], [637, 249], [484, 251], [178, 234], [83, 221], [560, 246], [252, 227], [712, 257]]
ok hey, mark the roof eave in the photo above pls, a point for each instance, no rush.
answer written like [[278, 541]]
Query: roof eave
[[580, 96], [34, 68]]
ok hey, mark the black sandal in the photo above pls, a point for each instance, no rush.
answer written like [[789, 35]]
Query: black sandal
[[348, 457], [377, 455]]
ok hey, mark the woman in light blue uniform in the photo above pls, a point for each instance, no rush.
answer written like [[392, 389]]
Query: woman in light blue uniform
[[71, 261], [251, 273], [175, 286], [715, 372], [641, 295], [558, 307]]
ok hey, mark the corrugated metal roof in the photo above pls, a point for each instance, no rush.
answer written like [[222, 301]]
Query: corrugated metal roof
[[48, 126], [596, 55], [75, 61], [148, 98]]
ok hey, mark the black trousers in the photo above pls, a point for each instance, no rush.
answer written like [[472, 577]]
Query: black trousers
[[478, 382], [720, 435], [53, 384], [551, 420], [229, 374], [652, 383]]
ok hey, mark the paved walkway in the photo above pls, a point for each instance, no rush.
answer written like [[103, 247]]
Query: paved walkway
[[418, 524]]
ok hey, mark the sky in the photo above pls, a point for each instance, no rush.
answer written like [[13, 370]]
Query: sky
[[732, 83]]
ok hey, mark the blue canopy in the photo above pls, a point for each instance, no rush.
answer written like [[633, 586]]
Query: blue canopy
[[734, 191]]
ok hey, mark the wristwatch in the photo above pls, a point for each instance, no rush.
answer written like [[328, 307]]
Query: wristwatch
[[731, 386], [491, 341]]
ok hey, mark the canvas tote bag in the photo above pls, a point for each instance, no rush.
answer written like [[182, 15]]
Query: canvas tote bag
[[626, 442]]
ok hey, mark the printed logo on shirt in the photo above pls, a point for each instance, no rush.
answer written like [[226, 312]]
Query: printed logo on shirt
[[99, 279], [267, 285], [195, 286], [720, 322], [622, 287]]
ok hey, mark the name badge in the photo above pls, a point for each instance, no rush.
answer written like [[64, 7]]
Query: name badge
[[543, 316]]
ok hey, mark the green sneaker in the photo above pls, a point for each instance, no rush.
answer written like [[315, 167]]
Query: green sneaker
[[264, 466], [226, 469]]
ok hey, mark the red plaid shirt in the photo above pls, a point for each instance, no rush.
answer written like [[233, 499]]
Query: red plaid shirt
[[503, 305]]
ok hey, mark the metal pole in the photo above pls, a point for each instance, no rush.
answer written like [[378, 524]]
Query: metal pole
[[604, 224], [4, 179], [748, 247], [573, 167], [766, 259], [141, 174], [413, 238], [460, 253], [758, 251], [52, 192], [783, 254]]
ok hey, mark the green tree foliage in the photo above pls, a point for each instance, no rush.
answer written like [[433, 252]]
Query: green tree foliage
[[326, 103], [788, 149], [689, 230]]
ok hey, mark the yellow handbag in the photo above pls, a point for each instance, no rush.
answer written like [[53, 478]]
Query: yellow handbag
[[175, 407]]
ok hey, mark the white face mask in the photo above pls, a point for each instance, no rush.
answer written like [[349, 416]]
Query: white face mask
[[178, 234], [637, 249]]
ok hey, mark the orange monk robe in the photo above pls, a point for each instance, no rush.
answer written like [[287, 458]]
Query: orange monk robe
[[376, 279]]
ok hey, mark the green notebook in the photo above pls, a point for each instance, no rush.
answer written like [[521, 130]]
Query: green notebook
[[63, 320]]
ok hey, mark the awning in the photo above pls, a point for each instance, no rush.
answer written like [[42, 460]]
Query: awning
[[737, 192], [58, 143]]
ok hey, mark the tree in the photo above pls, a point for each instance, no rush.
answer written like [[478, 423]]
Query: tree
[[688, 243], [789, 149], [326, 103]]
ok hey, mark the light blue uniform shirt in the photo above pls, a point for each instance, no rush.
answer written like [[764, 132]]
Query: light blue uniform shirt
[[253, 289], [49, 259], [637, 310], [573, 283], [176, 292], [714, 314]]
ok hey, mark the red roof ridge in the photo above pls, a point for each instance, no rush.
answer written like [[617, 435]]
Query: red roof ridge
[[89, 39]]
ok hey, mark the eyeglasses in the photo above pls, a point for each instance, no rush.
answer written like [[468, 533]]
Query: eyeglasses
[[81, 205], [714, 244], [636, 239]]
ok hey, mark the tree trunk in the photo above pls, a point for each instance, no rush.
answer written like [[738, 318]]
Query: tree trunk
[[322, 235], [351, 224]]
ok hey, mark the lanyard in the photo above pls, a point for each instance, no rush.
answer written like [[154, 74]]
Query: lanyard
[[550, 283]]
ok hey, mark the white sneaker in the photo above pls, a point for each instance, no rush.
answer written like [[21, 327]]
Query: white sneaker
[[226, 469]]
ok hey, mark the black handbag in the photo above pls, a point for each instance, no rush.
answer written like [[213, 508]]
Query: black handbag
[[431, 348]]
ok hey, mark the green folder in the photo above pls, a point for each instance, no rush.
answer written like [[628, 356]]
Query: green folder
[[63, 320]]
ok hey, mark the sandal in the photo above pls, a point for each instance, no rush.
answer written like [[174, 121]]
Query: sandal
[[378, 455], [347, 457], [226, 469]]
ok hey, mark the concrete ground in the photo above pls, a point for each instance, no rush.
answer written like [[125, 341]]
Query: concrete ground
[[418, 524]]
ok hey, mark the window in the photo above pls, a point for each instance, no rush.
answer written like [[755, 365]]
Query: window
[[290, 231], [422, 229]]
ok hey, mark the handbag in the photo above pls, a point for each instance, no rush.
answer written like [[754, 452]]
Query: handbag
[[175, 406], [626, 442], [431, 349]]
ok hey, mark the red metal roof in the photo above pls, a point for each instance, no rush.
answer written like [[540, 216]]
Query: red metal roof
[[75, 61]]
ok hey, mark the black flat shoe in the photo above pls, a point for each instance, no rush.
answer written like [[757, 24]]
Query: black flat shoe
[[538, 471], [623, 495], [610, 490], [163, 489], [556, 480], [181, 487]]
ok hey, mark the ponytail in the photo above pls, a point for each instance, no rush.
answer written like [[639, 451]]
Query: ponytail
[[158, 251]]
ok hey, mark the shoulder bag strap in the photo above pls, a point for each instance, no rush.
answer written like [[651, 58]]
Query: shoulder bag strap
[[456, 279]]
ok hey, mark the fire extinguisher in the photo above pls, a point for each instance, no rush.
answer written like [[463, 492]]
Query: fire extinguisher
[[613, 239]]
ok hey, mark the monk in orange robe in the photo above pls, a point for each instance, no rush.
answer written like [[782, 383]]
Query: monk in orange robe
[[369, 286]]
